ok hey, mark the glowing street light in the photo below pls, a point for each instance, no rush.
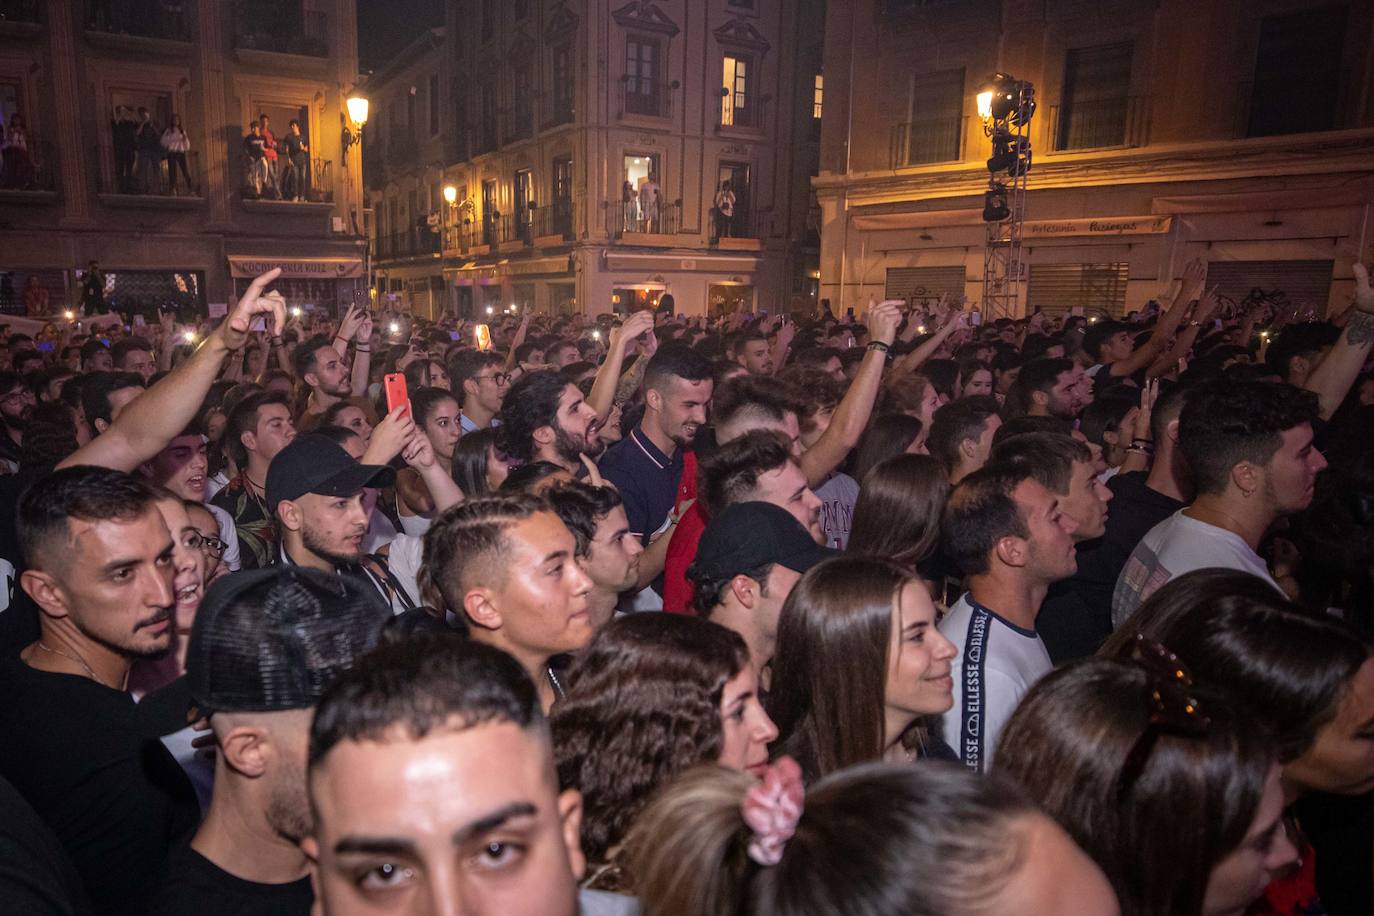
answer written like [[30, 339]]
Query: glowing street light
[[450, 194]]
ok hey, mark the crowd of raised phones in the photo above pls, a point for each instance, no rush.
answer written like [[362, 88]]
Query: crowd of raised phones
[[915, 613]]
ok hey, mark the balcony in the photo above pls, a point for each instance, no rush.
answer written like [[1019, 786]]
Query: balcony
[[31, 178], [280, 28], [552, 226], [629, 224], [469, 238], [108, 21], [741, 232], [646, 98], [748, 119], [418, 243], [1122, 121], [927, 142], [261, 190], [130, 185]]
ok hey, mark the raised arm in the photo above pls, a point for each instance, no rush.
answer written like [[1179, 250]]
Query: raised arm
[[851, 416], [913, 360], [1334, 375], [157, 416], [362, 354], [517, 340], [602, 396], [1149, 355]]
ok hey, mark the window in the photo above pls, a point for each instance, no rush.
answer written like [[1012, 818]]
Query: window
[[489, 214], [817, 97], [522, 111], [1097, 87], [735, 108], [936, 127], [642, 92], [1297, 73], [460, 126], [562, 195], [524, 195], [736, 224], [433, 105], [564, 84], [410, 114]]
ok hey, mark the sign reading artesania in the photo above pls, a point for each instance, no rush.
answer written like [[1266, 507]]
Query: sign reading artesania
[[299, 268], [1102, 225]]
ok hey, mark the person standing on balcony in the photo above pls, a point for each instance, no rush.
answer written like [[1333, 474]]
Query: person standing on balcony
[[269, 145], [628, 199], [649, 198], [149, 153], [124, 134], [18, 167], [254, 148], [177, 145], [296, 183], [725, 211]]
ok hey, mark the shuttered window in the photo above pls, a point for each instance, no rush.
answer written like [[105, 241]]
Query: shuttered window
[[924, 285], [1299, 282], [1061, 287]]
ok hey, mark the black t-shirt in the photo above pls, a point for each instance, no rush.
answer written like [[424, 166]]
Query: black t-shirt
[[1076, 615], [194, 884], [36, 877], [81, 755], [295, 145]]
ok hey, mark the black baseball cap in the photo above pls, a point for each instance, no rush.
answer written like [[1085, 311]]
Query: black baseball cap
[[267, 640], [749, 535], [317, 464]]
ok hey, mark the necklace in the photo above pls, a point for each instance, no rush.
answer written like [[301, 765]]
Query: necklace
[[76, 658]]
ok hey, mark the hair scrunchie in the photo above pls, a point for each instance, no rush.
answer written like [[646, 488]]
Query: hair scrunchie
[[771, 808]]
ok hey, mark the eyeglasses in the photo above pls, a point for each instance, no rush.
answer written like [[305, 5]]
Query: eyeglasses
[[500, 378], [19, 394], [208, 543], [1171, 708]]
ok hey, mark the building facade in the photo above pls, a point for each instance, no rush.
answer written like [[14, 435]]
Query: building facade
[[587, 145], [100, 182], [1240, 132]]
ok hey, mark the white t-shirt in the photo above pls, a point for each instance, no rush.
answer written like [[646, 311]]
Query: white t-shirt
[[404, 558], [1177, 545], [229, 534], [996, 665]]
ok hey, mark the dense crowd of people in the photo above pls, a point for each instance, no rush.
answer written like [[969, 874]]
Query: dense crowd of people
[[691, 616]]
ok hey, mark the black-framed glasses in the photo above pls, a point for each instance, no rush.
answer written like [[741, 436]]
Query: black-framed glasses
[[208, 543], [499, 378], [1171, 707]]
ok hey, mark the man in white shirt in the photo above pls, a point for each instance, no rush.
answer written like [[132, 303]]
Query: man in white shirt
[[1249, 448], [1012, 540]]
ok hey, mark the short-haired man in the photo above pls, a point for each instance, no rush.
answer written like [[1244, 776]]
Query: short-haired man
[[319, 363], [317, 492], [135, 355], [1012, 539], [264, 647], [182, 467], [1045, 388], [98, 560], [546, 419], [16, 405], [646, 465], [961, 435], [753, 353], [1074, 618], [1249, 448], [480, 383], [509, 565], [256, 429], [104, 395], [607, 549], [561, 354], [750, 557], [431, 773]]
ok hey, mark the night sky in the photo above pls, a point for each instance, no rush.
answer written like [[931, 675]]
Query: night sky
[[385, 27]]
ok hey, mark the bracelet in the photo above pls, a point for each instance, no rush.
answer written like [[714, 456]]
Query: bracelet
[[879, 346], [362, 349]]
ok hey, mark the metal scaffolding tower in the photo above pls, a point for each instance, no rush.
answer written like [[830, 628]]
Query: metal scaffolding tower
[[1006, 106]]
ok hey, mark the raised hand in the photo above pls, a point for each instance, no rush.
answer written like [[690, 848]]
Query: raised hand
[[234, 330], [1364, 294], [364, 332], [390, 436], [632, 327], [419, 451], [1194, 276], [883, 320]]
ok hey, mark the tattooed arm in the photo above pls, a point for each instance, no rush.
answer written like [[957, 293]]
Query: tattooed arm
[[1332, 378]]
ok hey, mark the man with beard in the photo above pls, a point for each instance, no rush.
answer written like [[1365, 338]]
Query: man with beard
[[316, 490], [16, 403], [607, 549], [1047, 388], [546, 419], [99, 565], [324, 370], [264, 647]]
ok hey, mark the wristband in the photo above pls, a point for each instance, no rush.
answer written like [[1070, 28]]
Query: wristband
[[879, 346], [362, 349]]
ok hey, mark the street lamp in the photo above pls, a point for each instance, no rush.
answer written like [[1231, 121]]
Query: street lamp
[[450, 194], [356, 106]]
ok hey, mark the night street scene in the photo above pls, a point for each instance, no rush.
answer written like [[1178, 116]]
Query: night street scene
[[686, 458]]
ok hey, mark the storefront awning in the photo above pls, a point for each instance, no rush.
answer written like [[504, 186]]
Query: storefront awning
[[299, 268]]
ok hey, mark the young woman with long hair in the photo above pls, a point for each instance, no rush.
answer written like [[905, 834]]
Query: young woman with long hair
[[652, 696], [897, 515], [858, 665], [436, 413]]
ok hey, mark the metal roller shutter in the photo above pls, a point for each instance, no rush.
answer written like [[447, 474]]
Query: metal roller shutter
[[1297, 282], [1061, 287], [924, 285]]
